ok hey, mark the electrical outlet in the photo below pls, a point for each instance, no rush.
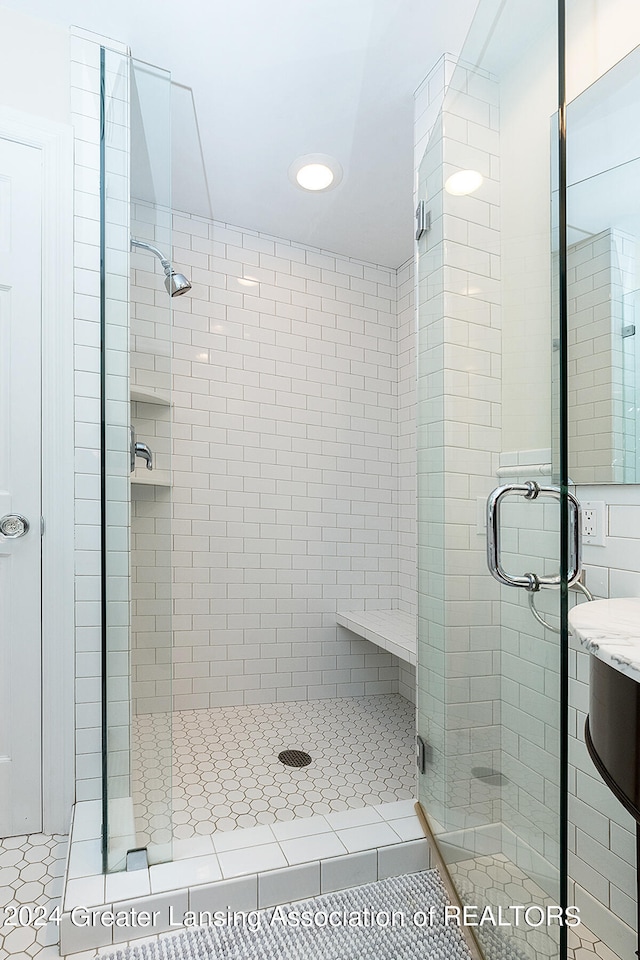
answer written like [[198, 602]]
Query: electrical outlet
[[593, 522], [589, 523]]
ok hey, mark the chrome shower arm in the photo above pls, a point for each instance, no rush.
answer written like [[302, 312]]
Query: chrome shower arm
[[149, 246]]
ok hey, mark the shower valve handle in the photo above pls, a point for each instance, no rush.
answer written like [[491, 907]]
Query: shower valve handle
[[143, 451], [139, 449]]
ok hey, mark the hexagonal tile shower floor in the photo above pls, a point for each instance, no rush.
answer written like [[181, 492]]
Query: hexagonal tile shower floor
[[226, 772]]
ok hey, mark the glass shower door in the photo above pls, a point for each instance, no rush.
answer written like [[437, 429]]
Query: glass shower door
[[150, 365], [490, 674], [118, 831], [135, 159]]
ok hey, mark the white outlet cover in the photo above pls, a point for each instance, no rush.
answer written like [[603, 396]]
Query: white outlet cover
[[598, 509]]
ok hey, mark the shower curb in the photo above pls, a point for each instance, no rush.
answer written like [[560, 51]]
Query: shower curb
[[88, 895]]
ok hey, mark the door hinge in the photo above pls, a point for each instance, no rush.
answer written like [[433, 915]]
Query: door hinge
[[42, 526], [423, 754]]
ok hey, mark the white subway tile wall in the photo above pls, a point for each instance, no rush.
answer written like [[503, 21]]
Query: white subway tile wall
[[118, 418], [458, 424], [284, 464], [530, 685], [85, 80], [405, 464], [428, 99]]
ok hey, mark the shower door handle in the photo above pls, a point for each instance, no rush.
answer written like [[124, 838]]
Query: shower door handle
[[530, 491]]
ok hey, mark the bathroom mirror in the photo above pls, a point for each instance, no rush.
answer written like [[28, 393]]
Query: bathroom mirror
[[603, 264]]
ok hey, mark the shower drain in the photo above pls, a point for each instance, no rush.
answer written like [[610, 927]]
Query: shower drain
[[294, 758]]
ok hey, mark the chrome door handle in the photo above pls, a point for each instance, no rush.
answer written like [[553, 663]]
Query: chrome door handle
[[13, 526], [530, 491]]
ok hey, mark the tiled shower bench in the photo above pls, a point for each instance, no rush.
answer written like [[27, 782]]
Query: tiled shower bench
[[392, 630]]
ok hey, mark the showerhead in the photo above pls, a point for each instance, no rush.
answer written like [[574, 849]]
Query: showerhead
[[176, 283]]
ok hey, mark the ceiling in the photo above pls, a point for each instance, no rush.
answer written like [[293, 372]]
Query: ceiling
[[258, 83]]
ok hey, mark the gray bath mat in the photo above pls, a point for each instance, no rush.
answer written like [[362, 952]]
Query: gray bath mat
[[420, 937]]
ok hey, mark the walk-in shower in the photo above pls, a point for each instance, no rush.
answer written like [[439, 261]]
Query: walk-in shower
[[227, 659], [261, 579]]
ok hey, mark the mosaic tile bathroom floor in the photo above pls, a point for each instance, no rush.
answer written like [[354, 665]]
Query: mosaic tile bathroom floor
[[497, 881], [226, 772], [31, 870], [584, 945]]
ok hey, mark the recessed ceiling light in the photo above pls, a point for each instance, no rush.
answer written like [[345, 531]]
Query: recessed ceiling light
[[315, 176], [315, 172], [463, 182]]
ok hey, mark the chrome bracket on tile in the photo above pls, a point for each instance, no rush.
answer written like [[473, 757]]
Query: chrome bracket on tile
[[423, 219], [530, 491], [137, 859]]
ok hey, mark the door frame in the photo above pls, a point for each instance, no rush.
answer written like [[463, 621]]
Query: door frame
[[55, 141]]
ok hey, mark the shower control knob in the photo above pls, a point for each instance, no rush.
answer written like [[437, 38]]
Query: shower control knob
[[13, 526]]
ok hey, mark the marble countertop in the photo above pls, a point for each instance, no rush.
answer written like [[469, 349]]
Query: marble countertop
[[610, 630]]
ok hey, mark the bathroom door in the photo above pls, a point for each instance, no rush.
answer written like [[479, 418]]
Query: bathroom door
[[20, 483]]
